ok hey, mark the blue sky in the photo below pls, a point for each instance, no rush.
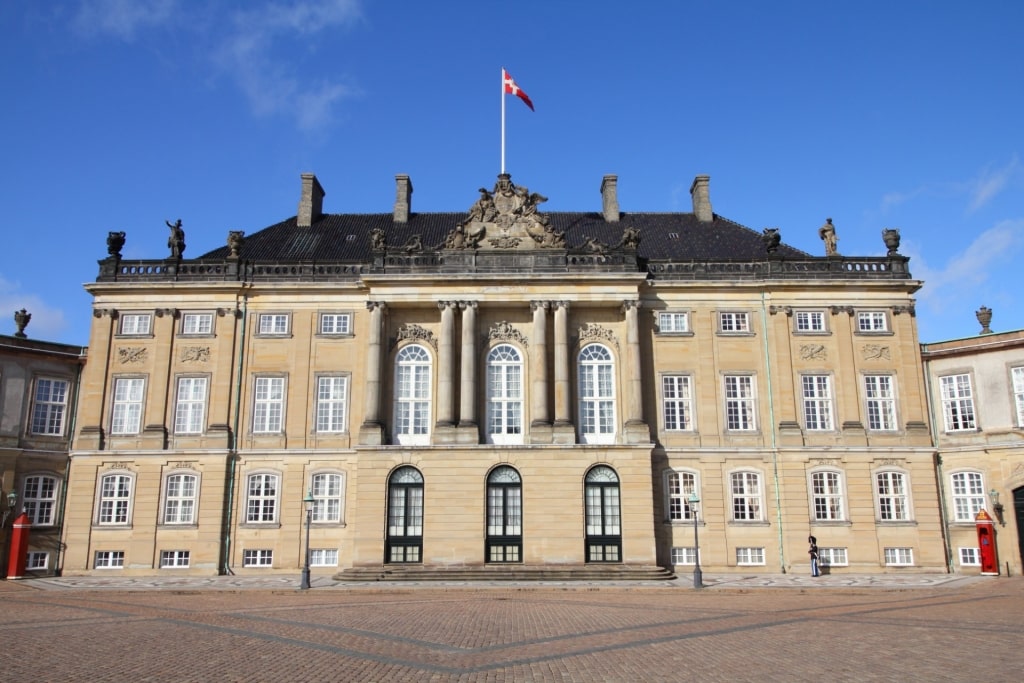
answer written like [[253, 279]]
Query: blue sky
[[122, 114]]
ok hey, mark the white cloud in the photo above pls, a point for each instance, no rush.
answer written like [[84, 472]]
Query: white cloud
[[990, 183], [123, 19], [48, 323]]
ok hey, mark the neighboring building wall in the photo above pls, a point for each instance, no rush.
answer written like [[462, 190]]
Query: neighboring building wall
[[977, 403]]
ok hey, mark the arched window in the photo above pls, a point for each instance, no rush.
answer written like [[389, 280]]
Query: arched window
[[747, 504], [180, 493], [327, 489], [968, 495], [596, 394], [39, 498], [115, 499], [412, 396], [504, 395], [604, 520], [892, 495], [678, 487], [405, 516], [827, 496], [504, 516]]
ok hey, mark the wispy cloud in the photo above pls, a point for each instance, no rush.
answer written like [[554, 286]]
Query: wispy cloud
[[979, 190], [989, 183], [123, 19], [47, 322]]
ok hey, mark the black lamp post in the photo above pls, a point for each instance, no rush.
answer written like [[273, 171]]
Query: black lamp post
[[12, 500], [698, 577], [308, 500]]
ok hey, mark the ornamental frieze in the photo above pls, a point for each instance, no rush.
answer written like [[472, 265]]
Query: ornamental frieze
[[503, 331], [132, 354], [875, 352], [813, 352], [416, 333], [195, 354]]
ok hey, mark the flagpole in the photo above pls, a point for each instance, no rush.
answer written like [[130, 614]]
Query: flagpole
[[503, 121]]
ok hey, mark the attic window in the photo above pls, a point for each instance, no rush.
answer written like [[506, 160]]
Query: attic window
[[349, 238], [673, 235]]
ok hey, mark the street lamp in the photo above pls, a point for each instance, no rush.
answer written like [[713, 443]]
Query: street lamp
[[12, 500], [698, 581], [308, 500]]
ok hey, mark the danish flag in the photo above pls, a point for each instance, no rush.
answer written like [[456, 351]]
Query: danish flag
[[512, 89]]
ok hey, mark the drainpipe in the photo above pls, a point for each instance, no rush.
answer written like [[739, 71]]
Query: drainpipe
[[937, 461], [229, 506], [771, 431]]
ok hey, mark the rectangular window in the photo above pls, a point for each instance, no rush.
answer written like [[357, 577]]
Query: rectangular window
[[180, 495], [969, 557], [684, 555], [832, 557], [261, 503], [37, 560], [335, 323], [899, 557], [109, 559], [677, 402], [968, 495], [872, 321], [38, 498], [174, 559], [750, 556], [49, 407], [669, 323], [135, 323], [326, 489], [817, 392], [734, 322], [810, 321], [739, 403], [892, 497], [127, 413], [881, 402], [679, 486], [331, 402], [827, 496], [115, 499], [746, 496], [190, 411], [268, 411], [197, 323], [273, 323], [957, 403], [323, 557], [1018, 393], [258, 558]]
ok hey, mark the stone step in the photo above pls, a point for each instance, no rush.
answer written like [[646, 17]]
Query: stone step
[[506, 573]]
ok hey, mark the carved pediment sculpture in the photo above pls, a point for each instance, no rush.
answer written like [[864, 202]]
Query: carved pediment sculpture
[[505, 218]]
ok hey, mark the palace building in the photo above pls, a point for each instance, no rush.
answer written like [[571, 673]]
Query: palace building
[[503, 392]]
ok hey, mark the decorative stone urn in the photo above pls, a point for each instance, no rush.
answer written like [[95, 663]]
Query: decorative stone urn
[[891, 237], [984, 316]]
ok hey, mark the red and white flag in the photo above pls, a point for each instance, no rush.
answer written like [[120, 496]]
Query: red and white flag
[[512, 89]]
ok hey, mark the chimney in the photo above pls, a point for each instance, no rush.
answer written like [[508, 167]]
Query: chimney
[[610, 198], [311, 204], [701, 198], [403, 198]]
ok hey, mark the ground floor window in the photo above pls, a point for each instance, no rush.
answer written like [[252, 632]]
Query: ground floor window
[[899, 557], [750, 556], [174, 559], [504, 516], [109, 559], [604, 521], [37, 560], [405, 516], [323, 557], [258, 558], [970, 557], [685, 555], [832, 557]]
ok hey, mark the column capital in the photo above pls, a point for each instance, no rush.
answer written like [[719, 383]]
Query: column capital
[[534, 305], [468, 304], [631, 303], [560, 304], [376, 305], [447, 304]]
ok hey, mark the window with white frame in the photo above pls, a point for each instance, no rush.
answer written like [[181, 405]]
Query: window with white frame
[[327, 488], [332, 404], [678, 487], [957, 403], [872, 321], [684, 555], [899, 557], [115, 499], [827, 496], [197, 323], [881, 402], [968, 495], [39, 499], [677, 402], [749, 556], [969, 557], [37, 560], [108, 559], [190, 409], [891, 488], [126, 417], [810, 321], [335, 323], [258, 558], [817, 392], [740, 401], [596, 394], [323, 557], [273, 323], [137, 324], [49, 406], [412, 395], [673, 322], [504, 395], [180, 493], [1018, 393], [730, 321], [832, 557], [261, 499], [268, 406], [746, 496], [174, 559]]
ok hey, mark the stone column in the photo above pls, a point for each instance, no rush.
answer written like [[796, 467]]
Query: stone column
[[446, 366], [563, 410], [539, 390], [467, 404], [634, 404], [371, 431]]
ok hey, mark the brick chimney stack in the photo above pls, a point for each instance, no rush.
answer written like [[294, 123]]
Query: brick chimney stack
[[610, 198], [311, 203], [702, 199], [403, 198]]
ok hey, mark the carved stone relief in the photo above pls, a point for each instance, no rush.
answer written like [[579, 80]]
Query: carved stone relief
[[417, 333], [132, 354], [195, 354], [595, 332], [875, 352], [503, 331], [813, 352]]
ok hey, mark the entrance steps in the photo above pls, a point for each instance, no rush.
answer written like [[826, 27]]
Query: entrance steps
[[581, 572]]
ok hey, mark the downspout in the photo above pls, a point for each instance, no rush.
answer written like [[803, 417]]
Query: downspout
[[233, 447], [58, 567], [771, 431], [937, 461]]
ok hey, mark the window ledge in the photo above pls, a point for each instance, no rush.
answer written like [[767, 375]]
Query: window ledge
[[685, 524], [745, 522], [260, 525], [891, 522], [830, 522]]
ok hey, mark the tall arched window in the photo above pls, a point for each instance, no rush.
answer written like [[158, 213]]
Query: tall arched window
[[405, 516], [596, 394], [412, 396], [504, 516], [604, 519], [504, 395]]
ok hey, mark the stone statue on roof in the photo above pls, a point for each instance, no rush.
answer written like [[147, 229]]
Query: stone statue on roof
[[176, 241], [827, 233]]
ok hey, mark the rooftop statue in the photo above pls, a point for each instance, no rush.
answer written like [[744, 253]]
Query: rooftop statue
[[176, 241], [827, 233]]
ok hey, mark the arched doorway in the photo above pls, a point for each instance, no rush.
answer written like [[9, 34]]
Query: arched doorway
[[604, 519], [504, 516], [405, 516]]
